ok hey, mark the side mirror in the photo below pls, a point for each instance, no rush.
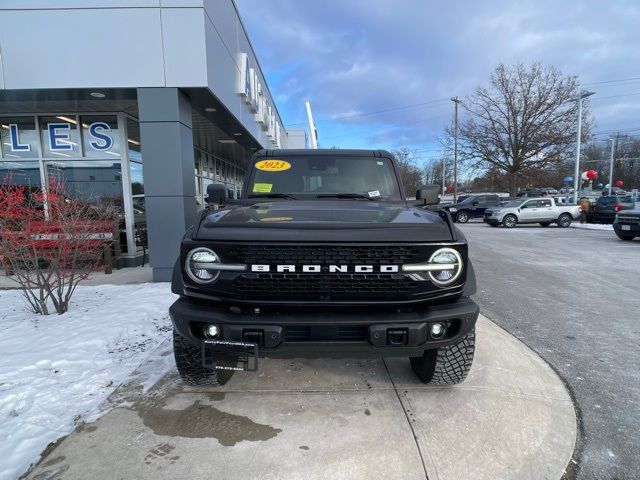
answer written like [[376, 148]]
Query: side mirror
[[475, 204], [217, 193], [428, 195]]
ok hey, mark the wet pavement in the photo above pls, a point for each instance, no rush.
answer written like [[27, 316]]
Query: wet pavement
[[321, 418]]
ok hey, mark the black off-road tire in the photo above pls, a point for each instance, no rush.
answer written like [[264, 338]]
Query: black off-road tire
[[462, 217], [446, 365], [545, 224], [564, 220], [510, 221], [625, 237], [189, 362]]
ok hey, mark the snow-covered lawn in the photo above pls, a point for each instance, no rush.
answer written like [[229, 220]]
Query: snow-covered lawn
[[55, 371], [593, 226]]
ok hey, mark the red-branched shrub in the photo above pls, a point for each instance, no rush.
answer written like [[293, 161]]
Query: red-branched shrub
[[49, 241]]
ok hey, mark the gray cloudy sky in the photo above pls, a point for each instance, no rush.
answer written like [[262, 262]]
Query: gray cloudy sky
[[379, 73]]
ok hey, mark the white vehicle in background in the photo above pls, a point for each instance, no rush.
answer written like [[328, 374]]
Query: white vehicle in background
[[544, 211]]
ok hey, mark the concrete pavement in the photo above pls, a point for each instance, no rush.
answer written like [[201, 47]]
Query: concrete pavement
[[319, 419]]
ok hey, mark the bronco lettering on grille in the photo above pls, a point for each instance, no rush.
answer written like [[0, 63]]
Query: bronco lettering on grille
[[326, 268]]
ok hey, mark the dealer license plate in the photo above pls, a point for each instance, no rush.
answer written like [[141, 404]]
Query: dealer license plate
[[626, 227], [244, 354]]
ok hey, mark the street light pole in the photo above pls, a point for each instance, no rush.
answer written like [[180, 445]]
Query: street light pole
[[444, 165], [613, 145], [576, 178], [456, 101]]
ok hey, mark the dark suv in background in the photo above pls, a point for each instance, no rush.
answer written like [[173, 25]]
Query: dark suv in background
[[472, 207], [606, 208]]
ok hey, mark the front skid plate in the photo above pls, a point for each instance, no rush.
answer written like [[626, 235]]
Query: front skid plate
[[244, 353]]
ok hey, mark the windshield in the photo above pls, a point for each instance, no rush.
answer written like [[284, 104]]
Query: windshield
[[516, 203], [324, 177]]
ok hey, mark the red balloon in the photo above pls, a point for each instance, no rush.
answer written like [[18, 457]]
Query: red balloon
[[619, 183], [591, 174]]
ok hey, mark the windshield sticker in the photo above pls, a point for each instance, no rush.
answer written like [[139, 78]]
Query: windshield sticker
[[262, 187], [380, 163], [375, 193], [276, 219], [273, 165]]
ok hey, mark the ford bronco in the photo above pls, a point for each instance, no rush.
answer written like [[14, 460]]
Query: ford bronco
[[323, 256]]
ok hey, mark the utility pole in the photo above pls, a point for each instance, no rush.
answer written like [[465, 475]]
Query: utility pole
[[444, 189], [613, 147], [456, 101], [576, 178]]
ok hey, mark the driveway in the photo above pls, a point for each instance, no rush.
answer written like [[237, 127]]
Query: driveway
[[319, 419], [572, 296]]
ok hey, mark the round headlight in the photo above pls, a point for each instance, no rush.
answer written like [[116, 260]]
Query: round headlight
[[451, 262], [198, 263]]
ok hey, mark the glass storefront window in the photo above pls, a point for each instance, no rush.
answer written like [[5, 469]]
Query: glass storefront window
[[19, 138], [100, 136], [60, 137], [21, 173], [96, 180], [133, 140]]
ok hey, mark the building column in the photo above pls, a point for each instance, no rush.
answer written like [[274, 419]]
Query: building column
[[169, 181]]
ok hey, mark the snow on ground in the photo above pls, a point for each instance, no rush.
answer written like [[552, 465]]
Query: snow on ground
[[55, 371], [593, 226]]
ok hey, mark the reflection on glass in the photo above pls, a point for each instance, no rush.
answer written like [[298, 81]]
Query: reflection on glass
[[100, 136], [20, 173], [133, 140], [60, 137], [19, 137], [97, 181]]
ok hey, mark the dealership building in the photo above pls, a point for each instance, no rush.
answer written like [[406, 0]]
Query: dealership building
[[139, 102]]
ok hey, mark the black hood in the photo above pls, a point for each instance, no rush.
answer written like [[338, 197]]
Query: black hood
[[324, 221]]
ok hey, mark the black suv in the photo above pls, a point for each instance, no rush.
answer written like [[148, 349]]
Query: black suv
[[323, 256], [472, 206]]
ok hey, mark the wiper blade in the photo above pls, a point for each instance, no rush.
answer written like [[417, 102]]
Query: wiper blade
[[273, 195], [346, 195]]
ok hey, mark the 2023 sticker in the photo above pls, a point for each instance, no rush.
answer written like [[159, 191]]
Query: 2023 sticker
[[273, 165]]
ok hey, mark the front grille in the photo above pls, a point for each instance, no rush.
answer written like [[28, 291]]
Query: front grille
[[331, 286], [323, 255], [628, 219], [321, 333]]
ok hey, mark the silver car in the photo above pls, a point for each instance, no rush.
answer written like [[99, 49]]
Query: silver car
[[532, 210]]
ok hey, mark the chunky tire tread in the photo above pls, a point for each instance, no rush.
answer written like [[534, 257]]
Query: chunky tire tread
[[189, 362], [447, 365]]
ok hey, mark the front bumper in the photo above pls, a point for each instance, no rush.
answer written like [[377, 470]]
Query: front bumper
[[491, 220], [328, 333], [627, 228]]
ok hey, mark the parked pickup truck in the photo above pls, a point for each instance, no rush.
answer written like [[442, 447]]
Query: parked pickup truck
[[323, 256], [535, 210]]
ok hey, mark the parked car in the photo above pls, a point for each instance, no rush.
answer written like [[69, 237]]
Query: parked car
[[472, 207], [531, 192], [536, 210], [627, 224], [606, 207]]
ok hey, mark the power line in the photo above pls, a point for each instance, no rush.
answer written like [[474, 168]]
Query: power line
[[620, 80], [377, 112]]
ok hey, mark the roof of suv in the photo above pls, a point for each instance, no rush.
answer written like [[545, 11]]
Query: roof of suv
[[321, 151]]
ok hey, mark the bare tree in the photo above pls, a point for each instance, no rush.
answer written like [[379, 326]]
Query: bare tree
[[410, 172], [525, 120], [49, 242]]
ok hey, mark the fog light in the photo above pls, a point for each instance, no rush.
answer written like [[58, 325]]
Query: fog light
[[211, 331], [437, 330]]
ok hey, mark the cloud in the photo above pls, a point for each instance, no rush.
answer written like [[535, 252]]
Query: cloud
[[354, 58]]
